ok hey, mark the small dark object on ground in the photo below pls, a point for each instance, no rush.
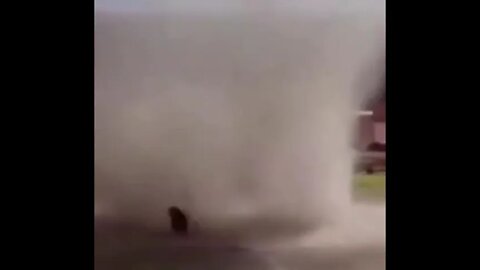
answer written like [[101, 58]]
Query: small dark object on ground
[[369, 170], [178, 220]]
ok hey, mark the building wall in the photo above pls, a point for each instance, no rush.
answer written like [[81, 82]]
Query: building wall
[[379, 132], [379, 111], [372, 128], [379, 118], [365, 132]]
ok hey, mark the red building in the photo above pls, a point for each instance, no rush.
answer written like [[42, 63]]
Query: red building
[[371, 139], [371, 126]]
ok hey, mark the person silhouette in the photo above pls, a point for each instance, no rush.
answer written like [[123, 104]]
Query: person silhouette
[[178, 220]]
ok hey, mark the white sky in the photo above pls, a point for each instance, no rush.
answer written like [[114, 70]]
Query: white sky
[[229, 6]]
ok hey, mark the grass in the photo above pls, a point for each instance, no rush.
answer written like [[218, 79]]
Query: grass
[[369, 187]]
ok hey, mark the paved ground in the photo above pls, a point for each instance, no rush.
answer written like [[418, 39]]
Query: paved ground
[[358, 246]]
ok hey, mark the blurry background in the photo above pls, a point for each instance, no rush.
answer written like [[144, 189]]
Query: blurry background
[[369, 182]]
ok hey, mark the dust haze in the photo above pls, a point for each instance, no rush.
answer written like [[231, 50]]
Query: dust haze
[[240, 112]]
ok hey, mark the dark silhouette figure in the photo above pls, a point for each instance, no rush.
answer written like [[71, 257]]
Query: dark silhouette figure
[[178, 220]]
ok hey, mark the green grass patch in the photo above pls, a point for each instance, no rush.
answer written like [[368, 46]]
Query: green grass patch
[[369, 187]]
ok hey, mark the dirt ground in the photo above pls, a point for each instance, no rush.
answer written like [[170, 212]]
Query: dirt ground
[[360, 245]]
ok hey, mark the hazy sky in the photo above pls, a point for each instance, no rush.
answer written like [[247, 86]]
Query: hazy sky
[[226, 6]]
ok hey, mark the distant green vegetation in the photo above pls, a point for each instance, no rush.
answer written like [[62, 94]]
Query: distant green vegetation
[[369, 187]]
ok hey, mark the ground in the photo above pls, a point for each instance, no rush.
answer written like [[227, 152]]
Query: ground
[[369, 187], [358, 246]]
